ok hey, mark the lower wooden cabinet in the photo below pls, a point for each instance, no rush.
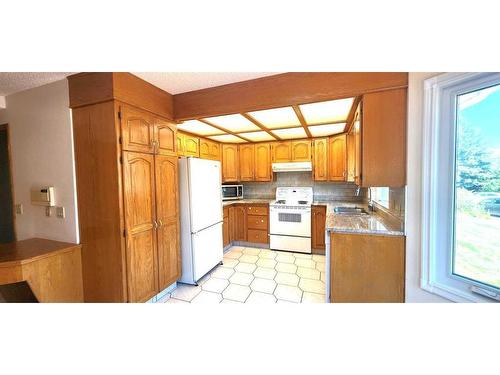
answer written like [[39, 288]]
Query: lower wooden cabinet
[[318, 221], [239, 227], [225, 227], [367, 268], [246, 222]]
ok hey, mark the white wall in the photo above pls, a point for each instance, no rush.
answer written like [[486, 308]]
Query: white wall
[[413, 193], [42, 155]]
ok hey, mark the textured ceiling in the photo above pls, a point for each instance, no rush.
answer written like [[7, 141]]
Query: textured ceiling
[[178, 82], [19, 81]]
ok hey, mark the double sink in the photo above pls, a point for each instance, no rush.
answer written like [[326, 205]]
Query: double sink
[[350, 210]]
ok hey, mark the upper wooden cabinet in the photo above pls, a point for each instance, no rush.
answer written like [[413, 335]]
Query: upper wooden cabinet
[[230, 163], [262, 162], [144, 132], [209, 149], [282, 152], [301, 150], [320, 159], [191, 145], [137, 129], [247, 162], [337, 158], [383, 133]]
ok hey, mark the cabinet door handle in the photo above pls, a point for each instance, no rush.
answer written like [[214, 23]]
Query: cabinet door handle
[[155, 225], [160, 223]]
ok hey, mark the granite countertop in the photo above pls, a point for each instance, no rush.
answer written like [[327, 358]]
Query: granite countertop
[[247, 201], [372, 223]]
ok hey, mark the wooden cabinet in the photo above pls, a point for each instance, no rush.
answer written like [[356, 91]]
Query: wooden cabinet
[[383, 132], [209, 149], [231, 222], [301, 150], [188, 145], [351, 156], [167, 220], [127, 185], [226, 239], [258, 223], [356, 131], [337, 158], [320, 159], [262, 162], [282, 152], [240, 225], [318, 221], [230, 163], [367, 268], [140, 224], [247, 162]]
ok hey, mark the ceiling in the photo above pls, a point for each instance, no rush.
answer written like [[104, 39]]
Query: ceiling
[[319, 119], [12, 82], [179, 82]]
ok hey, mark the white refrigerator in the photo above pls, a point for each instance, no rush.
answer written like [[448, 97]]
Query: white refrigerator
[[200, 216]]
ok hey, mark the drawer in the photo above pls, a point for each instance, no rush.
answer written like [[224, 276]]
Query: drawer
[[257, 222], [257, 210], [257, 236]]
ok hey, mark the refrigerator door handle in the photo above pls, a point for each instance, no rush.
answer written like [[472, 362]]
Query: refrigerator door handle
[[210, 226]]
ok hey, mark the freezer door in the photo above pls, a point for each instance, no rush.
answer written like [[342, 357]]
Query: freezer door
[[208, 250], [205, 193]]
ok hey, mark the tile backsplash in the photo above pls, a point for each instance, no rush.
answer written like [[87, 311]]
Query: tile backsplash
[[322, 190]]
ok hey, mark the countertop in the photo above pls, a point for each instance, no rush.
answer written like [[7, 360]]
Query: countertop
[[26, 251], [247, 201], [372, 223]]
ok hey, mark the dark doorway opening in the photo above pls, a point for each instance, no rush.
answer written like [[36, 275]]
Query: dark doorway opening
[[7, 233]]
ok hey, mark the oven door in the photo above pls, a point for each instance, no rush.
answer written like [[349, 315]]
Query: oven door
[[290, 222]]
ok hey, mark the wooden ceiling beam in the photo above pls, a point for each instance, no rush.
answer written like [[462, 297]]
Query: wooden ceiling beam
[[282, 90], [302, 120], [259, 125]]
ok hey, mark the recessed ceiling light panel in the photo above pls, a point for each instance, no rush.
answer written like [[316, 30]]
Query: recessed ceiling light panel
[[290, 133], [198, 127], [233, 123], [324, 112], [324, 130], [276, 117], [227, 138], [258, 136]]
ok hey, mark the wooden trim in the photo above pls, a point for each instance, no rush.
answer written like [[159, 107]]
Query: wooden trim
[[352, 112], [282, 90], [262, 127], [302, 120], [12, 193], [222, 129], [92, 88]]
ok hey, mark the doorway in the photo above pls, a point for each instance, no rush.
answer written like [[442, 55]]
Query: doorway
[[7, 233]]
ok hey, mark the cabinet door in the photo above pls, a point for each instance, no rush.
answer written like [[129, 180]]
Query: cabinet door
[[139, 205], [318, 229], [165, 136], [282, 152], [231, 222], [384, 139], [225, 227], [240, 225], [230, 163], [320, 159], [301, 150], [180, 144], [215, 150], [337, 160], [357, 145], [137, 128], [167, 213], [246, 156], [263, 162], [204, 148], [191, 145], [351, 156]]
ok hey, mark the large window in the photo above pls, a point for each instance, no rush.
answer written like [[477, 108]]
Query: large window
[[461, 187]]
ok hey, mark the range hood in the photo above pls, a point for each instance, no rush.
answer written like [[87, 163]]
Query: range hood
[[305, 166]]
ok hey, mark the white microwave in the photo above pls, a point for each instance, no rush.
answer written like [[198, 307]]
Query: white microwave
[[230, 192]]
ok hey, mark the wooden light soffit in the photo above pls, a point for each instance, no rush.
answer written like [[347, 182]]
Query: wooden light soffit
[[350, 117], [222, 129], [302, 120], [258, 124]]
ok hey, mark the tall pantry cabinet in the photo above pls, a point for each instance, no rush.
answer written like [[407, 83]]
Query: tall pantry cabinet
[[127, 187]]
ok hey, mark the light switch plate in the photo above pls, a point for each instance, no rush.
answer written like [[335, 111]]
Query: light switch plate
[[60, 212], [19, 209]]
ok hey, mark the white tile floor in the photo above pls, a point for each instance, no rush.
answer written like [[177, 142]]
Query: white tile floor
[[251, 275]]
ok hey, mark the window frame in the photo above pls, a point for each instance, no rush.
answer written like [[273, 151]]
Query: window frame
[[438, 184]]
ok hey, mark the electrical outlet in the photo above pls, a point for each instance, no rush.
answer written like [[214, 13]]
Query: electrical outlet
[[19, 209], [60, 212]]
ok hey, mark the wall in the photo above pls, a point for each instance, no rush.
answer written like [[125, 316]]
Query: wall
[[42, 155], [322, 190], [414, 190]]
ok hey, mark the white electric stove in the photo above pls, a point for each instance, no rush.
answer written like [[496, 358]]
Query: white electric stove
[[290, 219]]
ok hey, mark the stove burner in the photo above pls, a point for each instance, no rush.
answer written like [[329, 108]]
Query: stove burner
[[281, 201], [302, 202]]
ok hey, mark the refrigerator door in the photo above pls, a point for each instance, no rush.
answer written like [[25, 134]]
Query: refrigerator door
[[207, 250], [204, 193]]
